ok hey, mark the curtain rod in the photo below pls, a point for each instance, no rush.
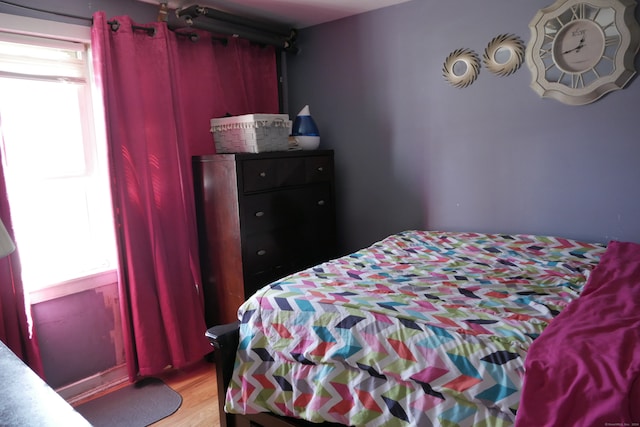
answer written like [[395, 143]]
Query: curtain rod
[[194, 37], [215, 21], [229, 29], [209, 12], [115, 26]]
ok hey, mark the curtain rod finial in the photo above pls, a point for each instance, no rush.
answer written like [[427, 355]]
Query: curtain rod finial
[[163, 12]]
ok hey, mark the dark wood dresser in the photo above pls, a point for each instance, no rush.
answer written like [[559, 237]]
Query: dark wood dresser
[[260, 217]]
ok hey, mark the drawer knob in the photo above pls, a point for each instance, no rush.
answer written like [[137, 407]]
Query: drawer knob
[[321, 202], [259, 214], [262, 252], [320, 169], [263, 174]]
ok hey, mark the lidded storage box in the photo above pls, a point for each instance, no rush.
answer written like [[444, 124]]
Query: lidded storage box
[[251, 133]]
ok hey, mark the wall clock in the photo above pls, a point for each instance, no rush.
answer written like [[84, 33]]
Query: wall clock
[[581, 50]]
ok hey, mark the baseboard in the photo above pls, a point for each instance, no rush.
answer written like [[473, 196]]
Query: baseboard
[[97, 383]]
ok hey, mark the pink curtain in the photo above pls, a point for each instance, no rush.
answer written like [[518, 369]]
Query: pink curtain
[[160, 92], [14, 327]]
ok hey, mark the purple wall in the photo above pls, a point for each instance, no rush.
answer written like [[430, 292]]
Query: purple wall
[[414, 152]]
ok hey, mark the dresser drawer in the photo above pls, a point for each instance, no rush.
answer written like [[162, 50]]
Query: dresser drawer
[[318, 205], [263, 252], [258, 175], [286, 208], [267, 211], [265, 174], [319, 169]]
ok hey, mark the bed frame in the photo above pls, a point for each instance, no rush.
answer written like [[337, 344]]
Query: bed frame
[[224, 338]]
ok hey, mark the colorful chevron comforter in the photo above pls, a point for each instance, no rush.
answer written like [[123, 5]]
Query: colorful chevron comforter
[[421, 328]]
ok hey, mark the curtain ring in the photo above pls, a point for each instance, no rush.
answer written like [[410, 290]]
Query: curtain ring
[[115, 25]]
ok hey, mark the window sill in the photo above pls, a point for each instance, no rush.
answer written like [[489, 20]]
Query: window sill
[[73, 286]]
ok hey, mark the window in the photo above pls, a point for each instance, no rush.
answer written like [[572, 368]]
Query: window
[[55, 165]]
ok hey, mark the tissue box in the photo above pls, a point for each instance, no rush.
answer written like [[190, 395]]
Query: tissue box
[[251, 133]]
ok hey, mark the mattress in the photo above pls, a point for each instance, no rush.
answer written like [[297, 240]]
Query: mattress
[[421, 328]]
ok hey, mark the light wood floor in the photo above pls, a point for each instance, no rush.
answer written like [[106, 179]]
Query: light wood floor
[[197, 386]]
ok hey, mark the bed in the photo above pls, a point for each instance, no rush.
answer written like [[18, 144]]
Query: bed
[[422, 328]]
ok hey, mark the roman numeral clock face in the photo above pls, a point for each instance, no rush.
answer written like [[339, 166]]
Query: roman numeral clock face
[[579, 51]]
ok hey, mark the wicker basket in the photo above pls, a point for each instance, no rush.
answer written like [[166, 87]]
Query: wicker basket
[[251, 133]]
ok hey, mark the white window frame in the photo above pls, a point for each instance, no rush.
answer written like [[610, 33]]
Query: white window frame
[[74, 33], [43, 28]]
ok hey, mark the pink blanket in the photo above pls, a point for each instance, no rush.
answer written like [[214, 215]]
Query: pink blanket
[[584, 370]]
